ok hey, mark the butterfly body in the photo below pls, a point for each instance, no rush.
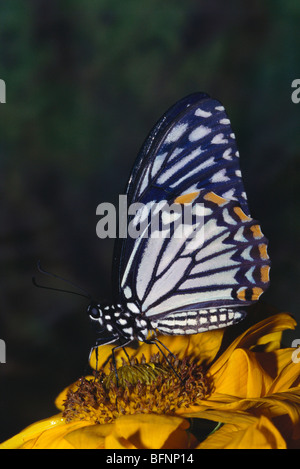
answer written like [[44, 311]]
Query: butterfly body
[[199, 258], [122, 324]]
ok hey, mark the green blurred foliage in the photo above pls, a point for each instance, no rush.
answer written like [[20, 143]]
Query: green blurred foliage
[[86, 80]]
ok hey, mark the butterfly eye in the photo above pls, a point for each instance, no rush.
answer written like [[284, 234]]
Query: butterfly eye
[[94, 312]]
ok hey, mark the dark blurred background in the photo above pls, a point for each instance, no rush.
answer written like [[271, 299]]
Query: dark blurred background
[[86, 80]]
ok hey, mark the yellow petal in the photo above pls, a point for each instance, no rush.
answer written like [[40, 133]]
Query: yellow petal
[[218, 415], [283, 408], [45, 434], [242, 430], [276, 323], [289, 375], [148, 431], [56, 438], [268, 342], [273, 362], [261, 434], [206, 345], [278, 404], [242, 376], [32, 431], [90, 437]]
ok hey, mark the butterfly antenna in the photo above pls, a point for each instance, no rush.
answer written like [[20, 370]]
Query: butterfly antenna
[[50, 274]]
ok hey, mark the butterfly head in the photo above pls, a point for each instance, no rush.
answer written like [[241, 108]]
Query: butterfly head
[[105, 317], [96, 314]]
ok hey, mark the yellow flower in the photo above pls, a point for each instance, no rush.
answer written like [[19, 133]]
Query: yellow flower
[[249, 390]]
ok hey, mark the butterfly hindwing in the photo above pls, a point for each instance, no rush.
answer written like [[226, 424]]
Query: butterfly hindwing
[[224, 264]]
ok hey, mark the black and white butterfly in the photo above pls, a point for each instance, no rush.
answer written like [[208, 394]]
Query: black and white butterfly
[[186, 284]]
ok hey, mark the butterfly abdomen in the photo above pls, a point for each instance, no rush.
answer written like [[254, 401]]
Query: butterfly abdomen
[[193, 322]]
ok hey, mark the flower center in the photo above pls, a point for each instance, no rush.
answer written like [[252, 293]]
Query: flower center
[[138, 387]]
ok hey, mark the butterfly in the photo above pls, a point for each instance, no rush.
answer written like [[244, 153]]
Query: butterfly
[[203, 278]]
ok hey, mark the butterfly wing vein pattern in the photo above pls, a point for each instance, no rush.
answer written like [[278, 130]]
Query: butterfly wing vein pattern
[[227, 267], [198, 150], [202, 274]]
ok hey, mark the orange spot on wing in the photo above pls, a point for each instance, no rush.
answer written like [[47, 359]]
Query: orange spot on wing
[[186, 198], [263, 251], [256, 231], [212, 197], [241, 294], [264, 272], [256, 292], [241, 214], [249, 294]]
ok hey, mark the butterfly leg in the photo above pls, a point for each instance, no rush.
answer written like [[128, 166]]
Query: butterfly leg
[[155, 341], [100, 341], [96, 353], [125, 351], [161, 343], [114, 358]]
